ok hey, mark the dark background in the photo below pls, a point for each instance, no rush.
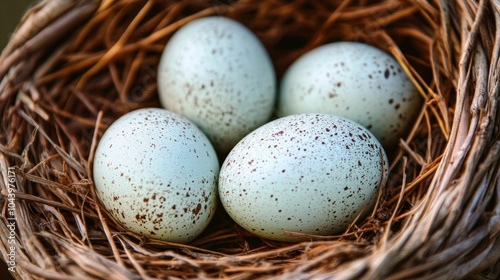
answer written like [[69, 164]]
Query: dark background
[[11, 12]]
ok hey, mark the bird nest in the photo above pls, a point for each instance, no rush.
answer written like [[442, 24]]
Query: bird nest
[[73, 67]]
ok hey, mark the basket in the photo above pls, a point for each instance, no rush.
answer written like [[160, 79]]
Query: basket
[[72, 67]]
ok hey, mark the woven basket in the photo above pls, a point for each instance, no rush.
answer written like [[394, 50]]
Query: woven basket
[[72, 67]]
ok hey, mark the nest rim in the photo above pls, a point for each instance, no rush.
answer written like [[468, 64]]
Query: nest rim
[[58, 179]]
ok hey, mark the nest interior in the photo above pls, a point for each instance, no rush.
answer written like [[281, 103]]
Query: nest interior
[[73, 67]]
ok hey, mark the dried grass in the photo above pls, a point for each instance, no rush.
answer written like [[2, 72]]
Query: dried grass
[[72, 67]]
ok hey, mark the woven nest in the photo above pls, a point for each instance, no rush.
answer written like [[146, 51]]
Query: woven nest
[[72, 67]]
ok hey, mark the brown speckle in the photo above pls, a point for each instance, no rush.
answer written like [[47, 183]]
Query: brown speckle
[[197, 209], [387, 73]]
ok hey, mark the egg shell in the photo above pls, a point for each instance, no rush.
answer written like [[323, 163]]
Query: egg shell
[[156, 172], [356, 81], [218, 74], [308, 173]]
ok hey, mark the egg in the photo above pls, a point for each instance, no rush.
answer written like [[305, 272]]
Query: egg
[[305, 173], [156, 173], [217, 73], [356, 81]]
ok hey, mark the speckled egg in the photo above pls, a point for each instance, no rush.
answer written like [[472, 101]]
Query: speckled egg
[[356, 81], [156, 172], [217, 73], [306, 173]]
